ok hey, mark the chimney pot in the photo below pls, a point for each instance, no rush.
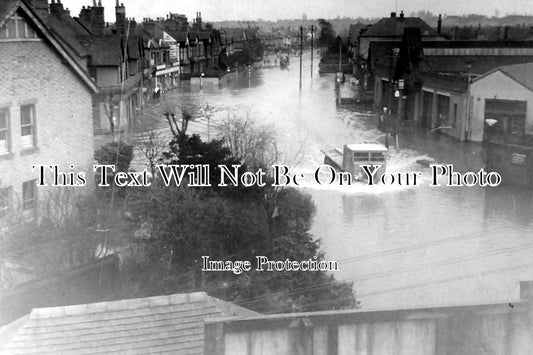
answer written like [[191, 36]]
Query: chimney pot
[[401, 14], [393, 14]]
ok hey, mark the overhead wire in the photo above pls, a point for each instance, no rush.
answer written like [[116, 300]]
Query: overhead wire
[[227, 284]]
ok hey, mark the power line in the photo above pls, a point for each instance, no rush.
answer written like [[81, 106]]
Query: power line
[[388, 273], [226, 284], [422, 245], [451, 279]]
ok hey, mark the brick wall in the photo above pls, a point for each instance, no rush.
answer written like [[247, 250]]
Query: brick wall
[[34, 73]]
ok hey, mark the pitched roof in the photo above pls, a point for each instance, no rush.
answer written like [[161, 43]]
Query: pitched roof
[[66, 28], [163, 324], [9, 7], [134, 47], [179, 36], [204, 35], [104, 50], [521, 73], [394, 26], [354, 31]]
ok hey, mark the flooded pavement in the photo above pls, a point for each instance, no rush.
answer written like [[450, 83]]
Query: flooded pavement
[[402, 246]]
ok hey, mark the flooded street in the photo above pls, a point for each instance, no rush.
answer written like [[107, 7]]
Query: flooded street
[[402, 246]]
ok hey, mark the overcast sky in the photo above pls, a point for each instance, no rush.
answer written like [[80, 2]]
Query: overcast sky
[[217, 10]]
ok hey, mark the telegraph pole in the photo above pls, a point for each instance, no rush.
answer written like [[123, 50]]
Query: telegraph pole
[[301, 53], [312, 37]]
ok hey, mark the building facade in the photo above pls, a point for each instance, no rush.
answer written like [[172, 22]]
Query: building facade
[[502, 104], [45, 111]]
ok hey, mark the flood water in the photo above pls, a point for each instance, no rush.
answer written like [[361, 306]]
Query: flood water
[[402, 246]]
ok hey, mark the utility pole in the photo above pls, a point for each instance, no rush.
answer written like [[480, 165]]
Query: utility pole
[[301, 53], [390, 96], [395, 93], [340, 56], [312, 37], [468, 131]]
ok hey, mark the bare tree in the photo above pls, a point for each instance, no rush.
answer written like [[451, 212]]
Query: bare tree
[[63, 236], [178, 127], [151, 147], [253, 144]]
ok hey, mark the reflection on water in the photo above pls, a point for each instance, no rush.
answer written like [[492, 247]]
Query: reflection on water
[[510, 204], [402, 246]]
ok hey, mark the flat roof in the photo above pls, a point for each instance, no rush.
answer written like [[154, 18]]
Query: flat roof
[[367, 147]]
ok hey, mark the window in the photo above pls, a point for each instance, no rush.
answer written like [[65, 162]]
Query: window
[[377, 157], [17, 27], [361, 156], [4, 201], [29, 195], [27, 125], [4, 130]]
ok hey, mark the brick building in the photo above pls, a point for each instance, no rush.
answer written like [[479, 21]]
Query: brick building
[[45, 110], [112, 56]]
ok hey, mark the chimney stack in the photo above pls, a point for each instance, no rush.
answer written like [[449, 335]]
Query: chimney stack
[[56, 9], [401, 15], [97, 19], [199, 20], [85, 15], [439, 24], [393, 14], [120, 18]]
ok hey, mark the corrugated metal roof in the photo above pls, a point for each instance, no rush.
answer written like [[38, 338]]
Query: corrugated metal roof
[[164, 324]]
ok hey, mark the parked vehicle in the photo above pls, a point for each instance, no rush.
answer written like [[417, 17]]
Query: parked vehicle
[[353, 157]]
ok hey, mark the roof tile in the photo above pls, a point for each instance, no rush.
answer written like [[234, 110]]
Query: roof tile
[[162, 324]]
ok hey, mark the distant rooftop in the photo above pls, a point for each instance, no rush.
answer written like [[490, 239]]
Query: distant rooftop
[[163, 324], [394, 26]]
